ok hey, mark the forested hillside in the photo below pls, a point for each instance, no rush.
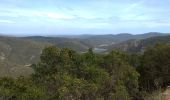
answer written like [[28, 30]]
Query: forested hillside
[[84, 50], [138, 46], [17, 53], [64, 74], [109, 39]]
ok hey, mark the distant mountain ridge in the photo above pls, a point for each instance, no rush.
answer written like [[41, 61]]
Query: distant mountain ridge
[[99, 39], [17, 53], [136, 46]]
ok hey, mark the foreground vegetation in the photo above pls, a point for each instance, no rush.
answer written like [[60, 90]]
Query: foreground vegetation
[[63, 74]]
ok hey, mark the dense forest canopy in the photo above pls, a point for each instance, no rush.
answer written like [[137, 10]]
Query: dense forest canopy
[[64, 74]]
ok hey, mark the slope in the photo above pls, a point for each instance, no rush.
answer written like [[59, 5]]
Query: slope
[[16, 54], [134, 46]]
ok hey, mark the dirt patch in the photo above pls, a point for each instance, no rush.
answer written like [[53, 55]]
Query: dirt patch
[[167, 93]]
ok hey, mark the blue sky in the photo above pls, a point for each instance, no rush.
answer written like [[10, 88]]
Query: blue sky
[[58, 17]]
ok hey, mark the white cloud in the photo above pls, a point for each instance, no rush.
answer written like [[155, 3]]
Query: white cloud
[[34, 14], [44, 14], [7, 21], [58, 16]]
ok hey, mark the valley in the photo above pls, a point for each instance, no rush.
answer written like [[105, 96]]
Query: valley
[[23, 51]]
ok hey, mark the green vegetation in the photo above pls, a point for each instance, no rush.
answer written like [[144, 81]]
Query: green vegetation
[[155, 64], [63, 74], [17, 53], [138, 46]]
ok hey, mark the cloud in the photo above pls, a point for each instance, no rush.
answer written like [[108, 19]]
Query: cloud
[[27, 16], [87, 14], [133, 6], [7, 21], [58, 16]]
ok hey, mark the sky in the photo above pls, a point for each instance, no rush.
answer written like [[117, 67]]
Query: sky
[[73, 17]]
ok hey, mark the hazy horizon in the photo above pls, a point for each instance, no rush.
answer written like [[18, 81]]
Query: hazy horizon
[[67, 35], [74, 17]]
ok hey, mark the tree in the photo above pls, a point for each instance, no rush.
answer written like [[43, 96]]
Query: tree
[[63, 74], [155, 68], [21, 89], [120, 70], [66, 74], [50, 55]]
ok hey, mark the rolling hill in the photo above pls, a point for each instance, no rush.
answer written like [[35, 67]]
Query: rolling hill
[[136, 46], [17, 53], [110, 39], [62, 42]]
